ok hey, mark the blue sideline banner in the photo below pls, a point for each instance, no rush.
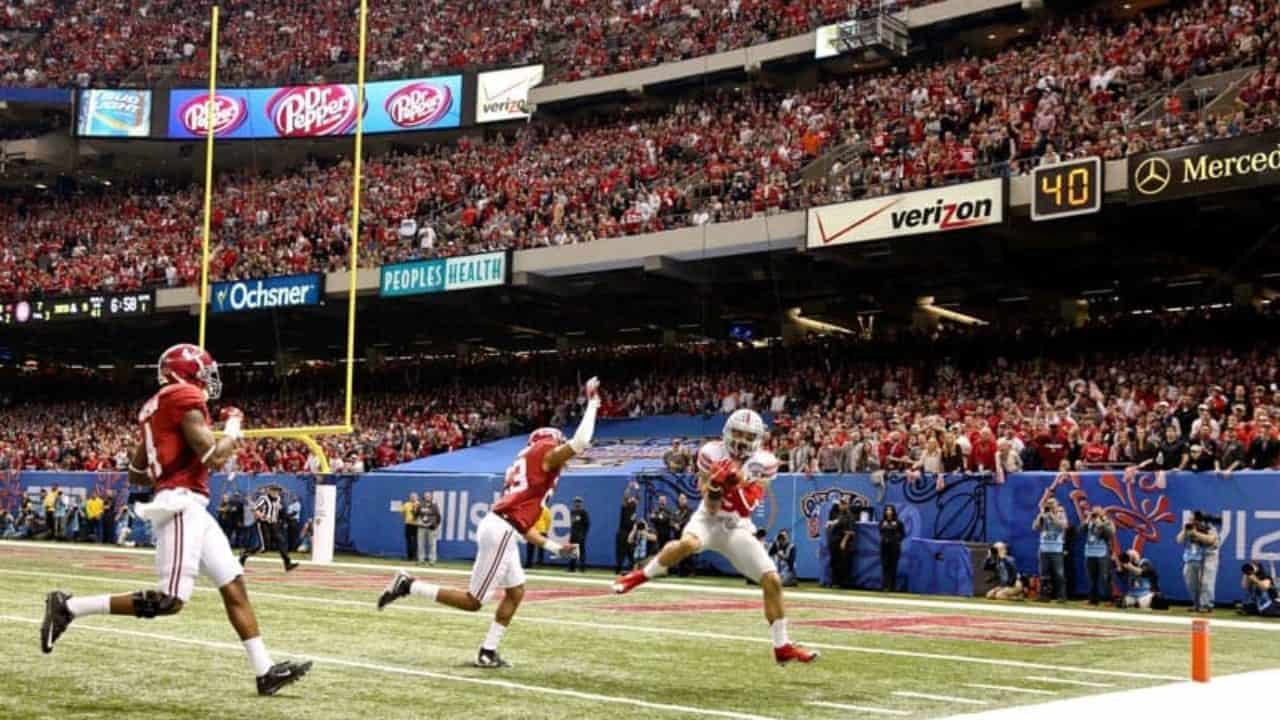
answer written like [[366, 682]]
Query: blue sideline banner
[[266, 293]]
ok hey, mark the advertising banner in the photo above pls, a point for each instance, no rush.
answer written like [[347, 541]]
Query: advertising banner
[[837, 39], [306, 111], [266, 293], [504, 94], [1205, 169], [957, 207], [114, 113], [443, 275]]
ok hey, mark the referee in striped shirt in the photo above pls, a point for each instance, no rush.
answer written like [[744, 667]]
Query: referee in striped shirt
[[267, 510]]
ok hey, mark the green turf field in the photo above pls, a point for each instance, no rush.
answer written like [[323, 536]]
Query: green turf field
[[682, 648]]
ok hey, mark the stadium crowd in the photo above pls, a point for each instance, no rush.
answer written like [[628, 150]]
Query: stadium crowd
[[730, 154], [105, 42], [1153, 393]]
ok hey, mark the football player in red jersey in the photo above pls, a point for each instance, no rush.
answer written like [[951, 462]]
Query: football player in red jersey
[[734, 476], [529, 480], [177, 451]]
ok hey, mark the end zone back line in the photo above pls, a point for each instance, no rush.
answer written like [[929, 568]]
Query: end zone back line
[[850, 598]]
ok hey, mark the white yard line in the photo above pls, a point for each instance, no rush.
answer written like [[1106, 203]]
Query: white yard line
[[1064, 681], [858, 708], [395, 670], [1010, 688], [939, 698], [1012, 608], [632, 630]]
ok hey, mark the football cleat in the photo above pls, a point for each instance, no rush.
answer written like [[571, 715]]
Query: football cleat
[[56, 619], [281, 675], [396, 589], [629, 582], [789, 652], [490, 660]]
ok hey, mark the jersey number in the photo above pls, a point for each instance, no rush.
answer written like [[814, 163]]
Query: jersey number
[[517, 477]]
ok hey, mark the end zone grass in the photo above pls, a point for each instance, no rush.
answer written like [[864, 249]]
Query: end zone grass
[[692, 649]]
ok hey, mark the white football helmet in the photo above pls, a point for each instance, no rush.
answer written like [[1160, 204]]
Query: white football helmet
[[743, 433]]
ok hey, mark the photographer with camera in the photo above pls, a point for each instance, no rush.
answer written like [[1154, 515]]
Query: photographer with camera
[[1143, 582], [783, 552], [1099, 532], [1199, 539], [1008, 585], [640, 540], [1263, 598], [1052, 525]]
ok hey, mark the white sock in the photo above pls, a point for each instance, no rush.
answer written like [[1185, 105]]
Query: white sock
[[424, 589], [496, 631], [259, 660], [778, 629], [654, 569], [92, 605]]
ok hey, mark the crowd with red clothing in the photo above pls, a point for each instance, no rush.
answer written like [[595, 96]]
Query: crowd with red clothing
[[1151, 394], [104, 42]]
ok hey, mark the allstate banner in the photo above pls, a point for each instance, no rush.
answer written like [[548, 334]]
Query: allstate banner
[[443, 275], [266, 293], [303, 111], [114, 113]]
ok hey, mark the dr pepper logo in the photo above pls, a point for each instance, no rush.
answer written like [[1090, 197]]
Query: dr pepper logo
[[229, 113], [418, 104], [313, 110]]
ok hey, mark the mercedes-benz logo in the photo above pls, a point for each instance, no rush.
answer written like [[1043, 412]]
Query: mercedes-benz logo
[[1152, 176]]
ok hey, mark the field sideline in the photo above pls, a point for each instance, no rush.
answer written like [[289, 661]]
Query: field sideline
[[696, 648]]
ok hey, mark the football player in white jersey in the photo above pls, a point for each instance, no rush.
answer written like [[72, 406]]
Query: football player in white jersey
[[733, 476]]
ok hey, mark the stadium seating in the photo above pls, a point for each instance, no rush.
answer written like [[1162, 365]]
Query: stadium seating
[[103, 42], [732, 154], [1107, 407]]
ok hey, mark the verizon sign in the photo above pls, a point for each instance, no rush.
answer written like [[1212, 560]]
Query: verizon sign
[[958, 207], [504, 94]]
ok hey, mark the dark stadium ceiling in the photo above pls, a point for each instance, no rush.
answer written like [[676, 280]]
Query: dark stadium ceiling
[[1180, 254]]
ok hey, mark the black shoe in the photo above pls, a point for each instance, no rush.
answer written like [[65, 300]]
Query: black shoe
[[56, 619], [490, 659], [281, 675], [289, 566], [243, 559], [396, 589]]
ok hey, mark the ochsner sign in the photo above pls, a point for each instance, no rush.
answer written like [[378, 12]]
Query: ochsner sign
[[265, 294], [504, 94], [958, 207]]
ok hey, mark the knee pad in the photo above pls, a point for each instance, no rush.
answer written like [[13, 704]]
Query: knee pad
[[149, 604]]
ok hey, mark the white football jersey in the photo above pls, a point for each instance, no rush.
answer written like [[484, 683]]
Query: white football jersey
[[757, 472]]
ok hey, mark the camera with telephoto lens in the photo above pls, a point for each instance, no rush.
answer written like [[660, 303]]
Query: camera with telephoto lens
[[1249, 569]]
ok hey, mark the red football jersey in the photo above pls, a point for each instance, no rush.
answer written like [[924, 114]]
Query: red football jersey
[[171, 462], [526, 487]]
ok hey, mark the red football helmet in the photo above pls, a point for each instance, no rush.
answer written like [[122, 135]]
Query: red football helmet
[[189, 364], [544, 434]]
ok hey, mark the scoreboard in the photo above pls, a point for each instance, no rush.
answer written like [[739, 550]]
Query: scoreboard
[[82, 307], [1065, 189]]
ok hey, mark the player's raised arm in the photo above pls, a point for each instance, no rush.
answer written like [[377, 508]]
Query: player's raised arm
[[581, 440], [212, 451]]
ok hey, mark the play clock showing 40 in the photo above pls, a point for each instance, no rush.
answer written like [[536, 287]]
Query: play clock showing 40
[[1065, 189]]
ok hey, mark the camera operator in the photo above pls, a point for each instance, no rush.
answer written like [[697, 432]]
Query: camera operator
[[1143, 582], [1008, 585], [1263, 598], [1198, 539], [1052, 525], [783, 553], [1099, 532], [640, 540]]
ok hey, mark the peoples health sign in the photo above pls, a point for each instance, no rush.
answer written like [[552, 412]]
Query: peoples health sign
[[306, 111], [443, 275], [266, 294]]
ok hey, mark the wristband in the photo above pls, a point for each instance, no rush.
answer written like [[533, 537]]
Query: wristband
[[232, 428], [139, 471], [552, 546]]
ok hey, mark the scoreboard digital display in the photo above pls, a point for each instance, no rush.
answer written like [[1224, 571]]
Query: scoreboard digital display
[[82, 307], [1066, 189]]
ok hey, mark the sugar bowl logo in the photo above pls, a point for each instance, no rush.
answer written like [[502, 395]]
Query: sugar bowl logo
[[813, 503], [1137, 504]]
